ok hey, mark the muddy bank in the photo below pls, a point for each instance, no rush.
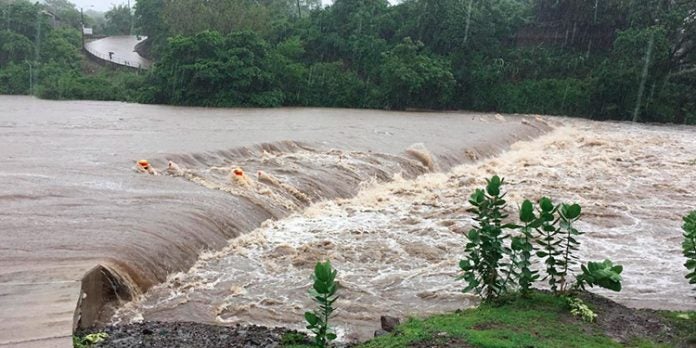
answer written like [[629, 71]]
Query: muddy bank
[[624, 324], [188, 334], [73, 203]]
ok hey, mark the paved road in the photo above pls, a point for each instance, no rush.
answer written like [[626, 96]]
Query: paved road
[[122, 50]]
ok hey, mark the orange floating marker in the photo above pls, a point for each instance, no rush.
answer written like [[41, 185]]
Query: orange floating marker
[[144, 164], [238, 172]]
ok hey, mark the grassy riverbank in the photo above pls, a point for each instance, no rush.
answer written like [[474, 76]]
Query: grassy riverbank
[[542, 320], [545, 321]]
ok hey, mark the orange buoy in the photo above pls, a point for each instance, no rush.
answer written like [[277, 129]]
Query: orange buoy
[[238, 171], [144, 164]]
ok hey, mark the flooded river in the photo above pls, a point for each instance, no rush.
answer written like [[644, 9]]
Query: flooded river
[[85, 238], [397, 245], [77, 222]]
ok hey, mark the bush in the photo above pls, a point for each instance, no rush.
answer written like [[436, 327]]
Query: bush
[[69, 85], [333, 85], [482, 266], [578, 308], [88, 341], [411, 77], [549, 240], [14, 79], [567, 96], [551, 228], [210, 69]]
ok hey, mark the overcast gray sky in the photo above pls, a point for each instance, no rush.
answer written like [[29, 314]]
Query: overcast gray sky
[[97, 5]]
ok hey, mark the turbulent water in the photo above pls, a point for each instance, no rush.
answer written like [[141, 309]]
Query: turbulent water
[[81, 230], [79, 223], [397, 245]]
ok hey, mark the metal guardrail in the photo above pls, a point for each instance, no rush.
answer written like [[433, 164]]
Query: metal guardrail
[[113, 58]]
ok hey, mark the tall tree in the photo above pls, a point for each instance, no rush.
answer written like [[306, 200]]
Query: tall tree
[[413, 78], [21, 17], [215, 70], [66, 12], [118, 20]]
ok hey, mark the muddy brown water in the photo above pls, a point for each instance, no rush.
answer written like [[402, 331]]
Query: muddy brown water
[[72, 207], [397, 245]]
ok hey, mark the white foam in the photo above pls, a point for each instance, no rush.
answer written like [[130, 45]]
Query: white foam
[[397, 245]]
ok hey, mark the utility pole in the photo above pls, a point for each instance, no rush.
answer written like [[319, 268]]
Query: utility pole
[[38, 35], [82, 21], [31, 79], [37, 57], [646, 67], [130, 16], [644, 77]]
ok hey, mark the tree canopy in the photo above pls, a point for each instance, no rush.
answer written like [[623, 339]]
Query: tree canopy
[[118, 20], [605, 59]]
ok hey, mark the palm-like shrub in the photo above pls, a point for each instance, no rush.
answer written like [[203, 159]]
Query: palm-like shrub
[[498, 260], [324, 294], [482, 266]]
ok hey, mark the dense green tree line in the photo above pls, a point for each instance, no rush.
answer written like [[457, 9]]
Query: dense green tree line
[[610, 59], [118, 20], [605, 59]]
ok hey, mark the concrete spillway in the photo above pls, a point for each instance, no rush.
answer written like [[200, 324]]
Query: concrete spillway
[[71, 201]]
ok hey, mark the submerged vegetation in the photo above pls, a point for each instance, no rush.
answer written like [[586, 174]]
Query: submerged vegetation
[[604, 60]]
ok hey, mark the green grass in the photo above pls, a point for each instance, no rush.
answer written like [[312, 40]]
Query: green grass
[[540, 321], [87, 341], [684, 323]]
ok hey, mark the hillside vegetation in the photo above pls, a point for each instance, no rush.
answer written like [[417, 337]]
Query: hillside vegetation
[[609, 59]]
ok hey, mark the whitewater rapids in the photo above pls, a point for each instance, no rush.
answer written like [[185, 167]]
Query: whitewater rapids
[[82, 232], [397, 245]]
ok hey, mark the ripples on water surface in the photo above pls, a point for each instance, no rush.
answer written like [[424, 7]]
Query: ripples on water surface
[[74, 215], [397, 246]]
